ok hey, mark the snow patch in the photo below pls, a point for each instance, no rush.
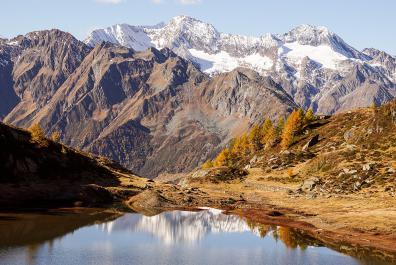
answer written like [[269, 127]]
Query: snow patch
[[13, 43], [223, 62], [322, 54]]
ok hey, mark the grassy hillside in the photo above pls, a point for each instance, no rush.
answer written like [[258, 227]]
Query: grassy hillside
[[36, 171], [345, 153]]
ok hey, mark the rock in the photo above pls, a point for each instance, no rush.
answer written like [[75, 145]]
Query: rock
[[188, 199], [253, 161], [366, 167], [310, 184], [147, 186], [357, 185], [349, 171], [247, 167], [348, 135], [312, 196], [285, 152], [351, 146], [149, 202], [391, 170], [314, 140]]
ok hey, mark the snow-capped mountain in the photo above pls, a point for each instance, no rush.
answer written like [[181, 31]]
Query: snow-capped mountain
[[312, 63], [154, 111]]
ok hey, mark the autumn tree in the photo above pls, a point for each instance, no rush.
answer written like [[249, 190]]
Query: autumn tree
[[266, 125], [255, 137], [37, 135], [271, 137], [300, 120], [292, 126], [309, 116], [223, 159], [264, 131], [36, 132], [280, 125], [207, 164], [55, 136], [241, 146]]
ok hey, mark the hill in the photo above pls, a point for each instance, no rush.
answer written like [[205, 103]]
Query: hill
[[38, 172]]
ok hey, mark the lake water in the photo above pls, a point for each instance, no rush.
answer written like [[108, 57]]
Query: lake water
[[177, 237]]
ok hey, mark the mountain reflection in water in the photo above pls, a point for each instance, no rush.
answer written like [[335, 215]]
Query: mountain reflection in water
[[177, 237]]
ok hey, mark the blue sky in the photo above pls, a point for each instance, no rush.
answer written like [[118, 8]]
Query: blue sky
[[362, 23]]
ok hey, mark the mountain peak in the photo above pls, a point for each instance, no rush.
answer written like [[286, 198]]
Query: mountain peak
[[192, 26], [308, 35], [182, 18]]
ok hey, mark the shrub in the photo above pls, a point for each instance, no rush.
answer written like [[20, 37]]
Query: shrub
[[309, 116], [55, 136], [37, 135]]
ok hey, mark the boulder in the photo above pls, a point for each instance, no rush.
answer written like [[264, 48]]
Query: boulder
[[310, 184], [366, 167], [253, 161], [314, 140], [348, 135], [349, 171], [357, 185]]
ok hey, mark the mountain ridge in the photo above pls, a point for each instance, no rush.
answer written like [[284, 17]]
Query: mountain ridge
[[155, 110], [281, 56]]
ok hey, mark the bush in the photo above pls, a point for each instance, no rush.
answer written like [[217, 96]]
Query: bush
[[55, 136], [37, 135]]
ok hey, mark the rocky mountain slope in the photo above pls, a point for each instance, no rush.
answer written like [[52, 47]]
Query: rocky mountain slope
[[314, 65], [348, 153], [151, 110]]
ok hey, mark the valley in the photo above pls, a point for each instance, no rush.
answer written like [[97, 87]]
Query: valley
[[174, 134]]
